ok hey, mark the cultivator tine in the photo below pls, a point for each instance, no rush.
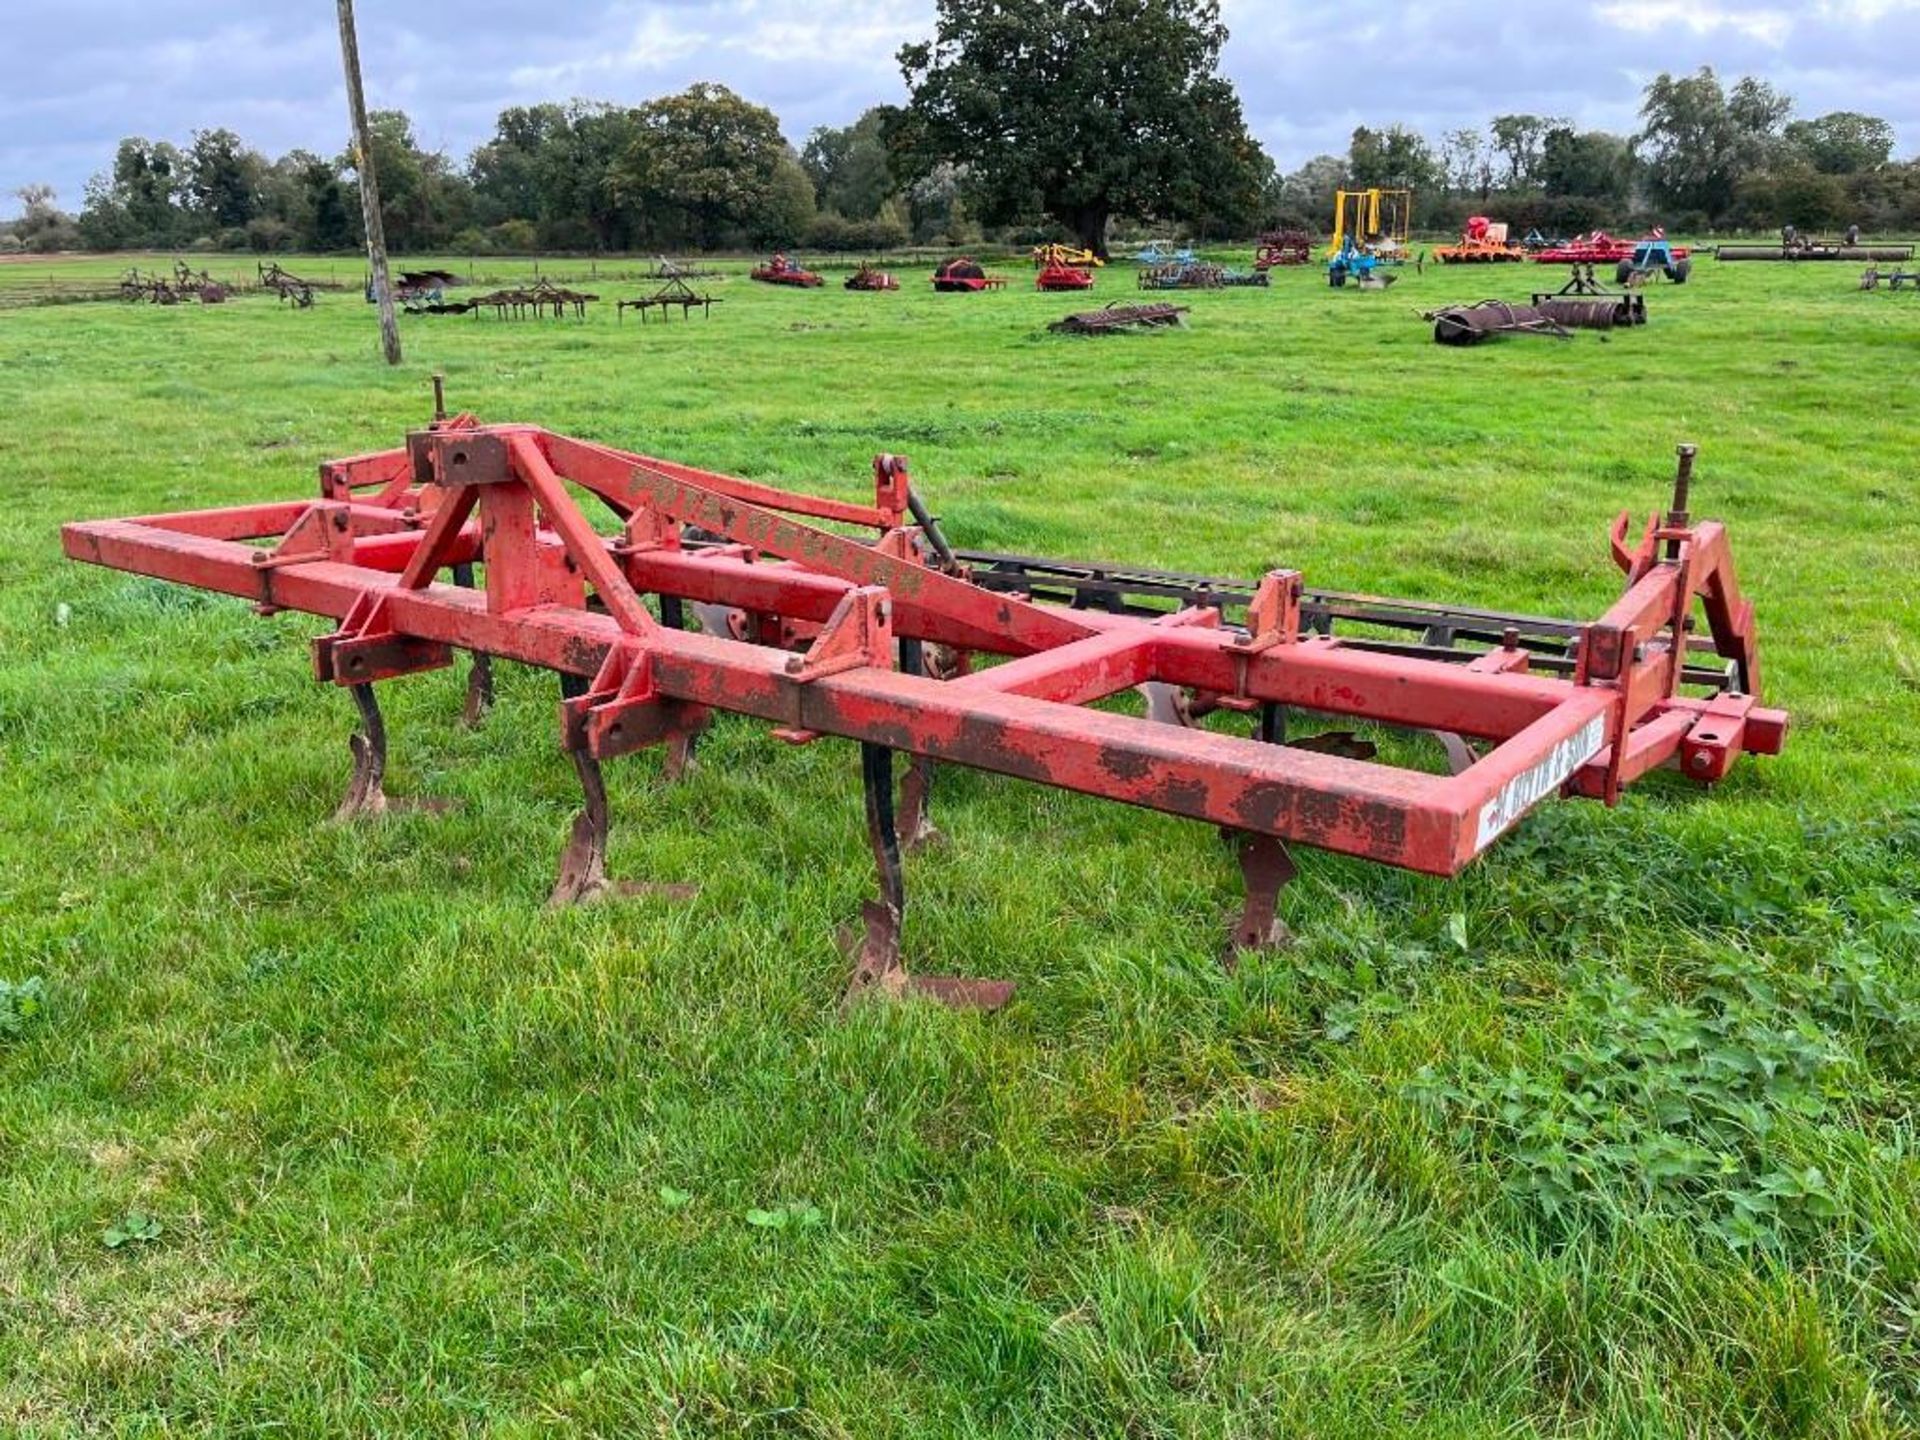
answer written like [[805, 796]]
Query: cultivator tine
[[583, 864], [480, 675], [365, 792], [917, 829], [916, 787], [1167, 704], [479, 691], [682, 747], [877, 965], [1460, 755], [582, 877], [366, 789], [1265, 866]]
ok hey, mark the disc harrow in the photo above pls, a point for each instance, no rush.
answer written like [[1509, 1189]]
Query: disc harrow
[[825, 618]]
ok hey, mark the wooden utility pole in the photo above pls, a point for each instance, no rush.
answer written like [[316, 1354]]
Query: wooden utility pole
[[369, 184]]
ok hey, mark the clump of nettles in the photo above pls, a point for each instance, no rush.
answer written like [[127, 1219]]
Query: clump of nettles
[[20, 1005], [1642, 1104]]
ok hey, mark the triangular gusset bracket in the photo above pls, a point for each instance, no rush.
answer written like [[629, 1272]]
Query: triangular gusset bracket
[[366, 648], [858, 634], [623, 711]]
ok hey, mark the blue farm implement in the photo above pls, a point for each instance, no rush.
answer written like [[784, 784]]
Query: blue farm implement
[[1654, 255]]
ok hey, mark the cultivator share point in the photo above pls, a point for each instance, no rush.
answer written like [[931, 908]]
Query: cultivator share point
[[860, 622]]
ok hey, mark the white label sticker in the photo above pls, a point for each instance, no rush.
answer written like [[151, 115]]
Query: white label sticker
[[1528, 789]]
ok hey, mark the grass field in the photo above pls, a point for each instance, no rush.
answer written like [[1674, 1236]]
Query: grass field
[[320, 1130]]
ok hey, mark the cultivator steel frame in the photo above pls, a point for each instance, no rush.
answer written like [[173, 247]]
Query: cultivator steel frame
[[875, 636]]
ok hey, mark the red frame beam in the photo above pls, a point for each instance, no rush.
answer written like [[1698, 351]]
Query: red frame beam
[[461, 492]]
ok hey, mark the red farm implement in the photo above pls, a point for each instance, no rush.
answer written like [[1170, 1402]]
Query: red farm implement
[[782, 271], [1283, 247], [965, 275], [1601, 249], [872, 278], [1483, 242], [826, 618], [1058, 275]]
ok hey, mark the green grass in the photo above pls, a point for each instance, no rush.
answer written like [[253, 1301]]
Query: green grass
[[1612, 1136]]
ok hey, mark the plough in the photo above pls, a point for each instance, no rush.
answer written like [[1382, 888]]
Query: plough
[[291, 288], [186, 284], [859, 621]]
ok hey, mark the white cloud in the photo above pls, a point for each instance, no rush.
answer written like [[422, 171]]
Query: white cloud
[[1307, 71], [1768, 26]]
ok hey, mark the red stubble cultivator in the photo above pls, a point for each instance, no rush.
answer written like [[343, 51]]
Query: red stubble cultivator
[[876, 636]]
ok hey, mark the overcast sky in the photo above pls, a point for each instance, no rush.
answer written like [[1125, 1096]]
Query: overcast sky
[[81, 74]]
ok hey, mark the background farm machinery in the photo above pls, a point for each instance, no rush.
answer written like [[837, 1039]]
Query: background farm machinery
[[290, 288], [1602, 249], [1057, 275], [1164, 252], [964, 275], [674, 294], [1796, 247], [1077, 256], [419, 291], [1282, 248], [1651, 256], [665, 269], [825, 618], [1872, 279], [782, 271], [184, 283], [1115, 319], [1375, 223], [1363, 267], [1198, 275], [871, 277], [1483, 242]]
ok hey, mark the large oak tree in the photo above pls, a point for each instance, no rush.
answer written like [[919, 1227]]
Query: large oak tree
[[1080, 110], [708, 168], [1698, 141]]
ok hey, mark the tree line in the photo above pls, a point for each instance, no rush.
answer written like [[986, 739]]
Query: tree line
[[1707, 157], [1024, 120]]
